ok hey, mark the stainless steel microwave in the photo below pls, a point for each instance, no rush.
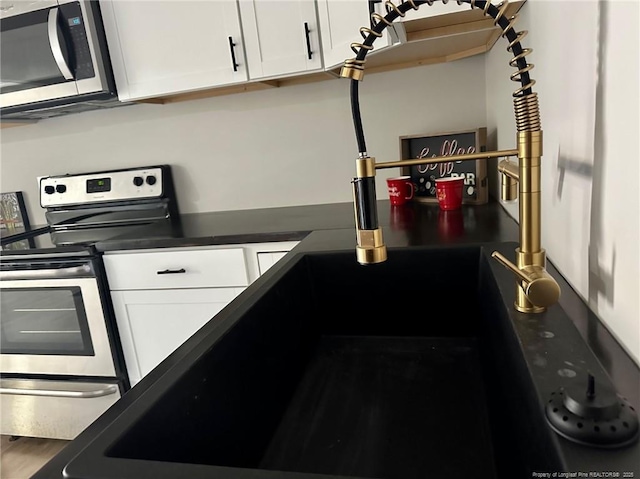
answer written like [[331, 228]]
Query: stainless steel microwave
[[53, 58]]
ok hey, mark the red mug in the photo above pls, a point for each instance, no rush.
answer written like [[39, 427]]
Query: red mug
[[401, 190], [449, 192]]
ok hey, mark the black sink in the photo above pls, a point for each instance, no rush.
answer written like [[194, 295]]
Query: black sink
[[414, 368]]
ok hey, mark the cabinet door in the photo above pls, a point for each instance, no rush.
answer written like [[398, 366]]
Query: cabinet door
[[267, 260], [340, 22], [281, 37], [152, 324], [160, 48]]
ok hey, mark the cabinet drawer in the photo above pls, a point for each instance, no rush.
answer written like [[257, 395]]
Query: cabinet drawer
[[55, 409], [177, 269]]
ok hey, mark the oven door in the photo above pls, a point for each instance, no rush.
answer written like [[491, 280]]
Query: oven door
[[48, 51], [53, 325]]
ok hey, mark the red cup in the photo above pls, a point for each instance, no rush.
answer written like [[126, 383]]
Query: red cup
[[401, 190], [449, 192]]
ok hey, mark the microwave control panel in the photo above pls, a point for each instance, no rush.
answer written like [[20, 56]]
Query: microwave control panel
[[71, 20]]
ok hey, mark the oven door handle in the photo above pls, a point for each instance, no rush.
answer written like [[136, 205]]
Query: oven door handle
[[56, 44], [73, 272], [104, 391]]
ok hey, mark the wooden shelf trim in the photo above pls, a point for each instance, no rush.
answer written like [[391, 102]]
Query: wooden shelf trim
[[241, 88], [14, 123]]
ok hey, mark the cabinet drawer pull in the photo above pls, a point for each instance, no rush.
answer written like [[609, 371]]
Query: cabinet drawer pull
[[233, 54], [306, 33], [173, 271]]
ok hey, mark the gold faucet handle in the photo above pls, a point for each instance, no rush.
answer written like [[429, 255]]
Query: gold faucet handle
[[510, 176], [541, 289]]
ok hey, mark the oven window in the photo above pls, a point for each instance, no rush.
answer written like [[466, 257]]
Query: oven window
[[44, 321], [26, 57]]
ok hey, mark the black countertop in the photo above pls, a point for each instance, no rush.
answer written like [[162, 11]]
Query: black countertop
[[408, 225], [330, 227], [412, 224], [31, 238]]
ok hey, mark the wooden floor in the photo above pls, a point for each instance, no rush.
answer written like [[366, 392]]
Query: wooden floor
[[22, 458]]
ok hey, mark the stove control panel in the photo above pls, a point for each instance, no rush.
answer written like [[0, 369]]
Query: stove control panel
[[101, 187]]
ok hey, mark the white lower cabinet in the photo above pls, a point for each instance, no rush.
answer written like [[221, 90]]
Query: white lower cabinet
[[161, 297], [153, 324]]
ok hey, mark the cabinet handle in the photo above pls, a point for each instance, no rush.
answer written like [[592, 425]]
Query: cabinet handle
[[233, 54], [173, 271], [306, 33]]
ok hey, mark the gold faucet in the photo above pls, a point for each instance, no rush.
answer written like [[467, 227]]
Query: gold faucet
[[535, 288]]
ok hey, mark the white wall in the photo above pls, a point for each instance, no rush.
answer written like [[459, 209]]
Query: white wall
[[281, 147], [590, 107]]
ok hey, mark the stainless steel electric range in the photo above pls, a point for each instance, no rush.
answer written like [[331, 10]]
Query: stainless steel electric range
[[61, 361]]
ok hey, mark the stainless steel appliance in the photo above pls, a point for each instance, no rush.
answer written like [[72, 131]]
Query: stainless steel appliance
[[59, 364], [61, 361], [53, 58]]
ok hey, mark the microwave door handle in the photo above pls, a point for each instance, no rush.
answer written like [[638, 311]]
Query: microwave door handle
[[56, 45]]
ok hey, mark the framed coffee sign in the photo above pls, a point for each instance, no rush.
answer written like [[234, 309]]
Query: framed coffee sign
[[447, 144]]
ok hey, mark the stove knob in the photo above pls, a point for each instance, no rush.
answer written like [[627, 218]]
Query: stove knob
[[151, 180], [61, 188], [49, 189], [137, 180]]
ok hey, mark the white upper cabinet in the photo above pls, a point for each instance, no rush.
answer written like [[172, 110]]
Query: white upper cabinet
[[174, 46], [445, 19], [169, 47], [340, 22], [281, 37], [438, 8]]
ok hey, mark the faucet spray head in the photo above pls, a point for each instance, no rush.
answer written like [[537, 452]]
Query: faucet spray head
[[370, 247]]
